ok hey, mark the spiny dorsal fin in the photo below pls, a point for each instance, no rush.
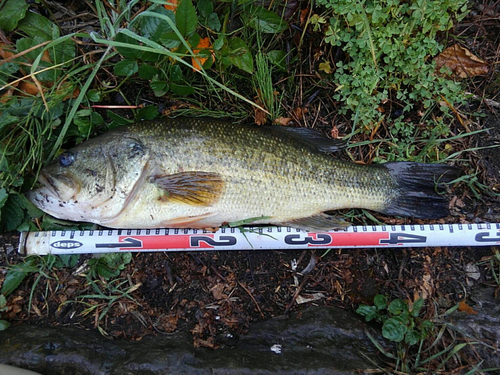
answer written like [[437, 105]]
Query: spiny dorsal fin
[[195, 188], [311, 137]]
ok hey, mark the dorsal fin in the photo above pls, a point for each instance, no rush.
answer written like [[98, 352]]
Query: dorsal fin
[[310, 137]]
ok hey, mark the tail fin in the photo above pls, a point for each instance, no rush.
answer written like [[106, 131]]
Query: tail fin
[[418, 189]]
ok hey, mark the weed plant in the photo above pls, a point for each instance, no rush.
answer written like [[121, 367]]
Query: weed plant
[[388, 69], [418, 341]]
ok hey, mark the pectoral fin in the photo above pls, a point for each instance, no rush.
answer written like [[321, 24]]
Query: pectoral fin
[[320, 222], [195, 188]]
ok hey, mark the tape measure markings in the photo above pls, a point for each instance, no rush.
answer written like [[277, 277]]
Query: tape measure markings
[[261, 238]]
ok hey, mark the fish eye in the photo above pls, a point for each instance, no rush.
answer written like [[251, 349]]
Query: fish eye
[[66, 159]]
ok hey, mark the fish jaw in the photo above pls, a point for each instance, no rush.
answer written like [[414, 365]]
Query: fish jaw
[[61, 186], [46, 200]]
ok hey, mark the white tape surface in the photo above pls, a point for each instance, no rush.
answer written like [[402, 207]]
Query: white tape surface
[[268, 238]]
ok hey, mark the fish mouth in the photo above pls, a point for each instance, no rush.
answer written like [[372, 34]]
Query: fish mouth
[[61, 186], [48, 184]]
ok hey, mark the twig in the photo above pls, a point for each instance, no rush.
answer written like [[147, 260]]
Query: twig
[[299, 289], [253, 299]]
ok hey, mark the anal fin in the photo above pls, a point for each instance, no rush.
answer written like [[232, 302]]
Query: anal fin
[[320, 222], [187, 221]]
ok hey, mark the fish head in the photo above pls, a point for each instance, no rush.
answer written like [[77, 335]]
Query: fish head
[[94, 181]]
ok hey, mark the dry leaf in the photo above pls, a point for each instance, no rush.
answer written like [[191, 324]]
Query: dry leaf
[[172, 5], [461, 62], [309, 297], [202, 45], [462, 306], [283, 121], [299, 112], [4, 51], [334, 133], [217, 291], [303, 16], [259, 115], [28, 87]]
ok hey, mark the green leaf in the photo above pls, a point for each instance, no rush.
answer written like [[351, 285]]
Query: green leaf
[[35, 25], [11, 13], [170, 40], [380, 302], [27, 43], [181, 89], [213, 22], [126, 68], [7, 71], [278, 59], [194, 40], [175, 73], [3, 302], [205, 7], [117, 120], [160, 88], [3, 196], [108, 266], [147, 71], [15, 276], [4, 325], [33, 211], [369, 312], [62, 52], [12, 213], [153, 27], [397, 306], [239, 55], [69, 260], [412, 337], [394, 329], [267, 21], [219, 42], [147, 113], [94, 95], [128, 52], [185, 18], [425, 327], [417, 306]]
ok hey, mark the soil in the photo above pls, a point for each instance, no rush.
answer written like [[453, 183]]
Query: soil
[[217, 296]]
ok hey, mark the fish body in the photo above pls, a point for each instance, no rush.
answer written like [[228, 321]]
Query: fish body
[[198, 173]]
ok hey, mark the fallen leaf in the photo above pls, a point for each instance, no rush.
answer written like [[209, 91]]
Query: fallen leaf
[[334, 133], [309, 297], [461, 62], [325, 67], [27, 87], [462, 306], [299, 112], [204, 44], [4, 51], [259, 115], [283, 121], [303, 16], [217, 291], [172, 5]]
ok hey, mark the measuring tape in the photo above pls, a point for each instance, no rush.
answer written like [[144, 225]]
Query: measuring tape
[[260, 238]]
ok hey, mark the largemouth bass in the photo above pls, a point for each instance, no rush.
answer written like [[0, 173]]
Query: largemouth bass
[[196, 173]]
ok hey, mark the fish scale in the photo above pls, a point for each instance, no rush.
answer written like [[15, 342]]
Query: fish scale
[[203, 173]]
